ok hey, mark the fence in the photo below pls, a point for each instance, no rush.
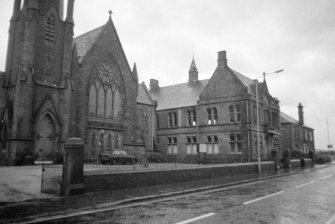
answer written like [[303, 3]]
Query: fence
[[52, 170], [109, 162], [118, 162]]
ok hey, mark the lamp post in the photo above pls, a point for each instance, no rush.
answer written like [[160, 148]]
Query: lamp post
[[329, 146], [257, 114]]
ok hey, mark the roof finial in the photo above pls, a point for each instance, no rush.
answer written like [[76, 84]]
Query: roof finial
[[110, 14]]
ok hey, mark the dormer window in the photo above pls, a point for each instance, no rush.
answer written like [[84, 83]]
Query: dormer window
[[50, 29]]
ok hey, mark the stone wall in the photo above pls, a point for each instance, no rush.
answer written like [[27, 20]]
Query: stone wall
[[119, 181]]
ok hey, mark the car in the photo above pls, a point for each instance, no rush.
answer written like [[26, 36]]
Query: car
[[116, 157]]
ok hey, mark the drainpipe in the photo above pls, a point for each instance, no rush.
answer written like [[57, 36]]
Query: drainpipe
[[152, 128], [197, 131], [248, 132]]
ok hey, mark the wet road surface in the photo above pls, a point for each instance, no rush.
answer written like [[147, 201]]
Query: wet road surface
[[307, 197]]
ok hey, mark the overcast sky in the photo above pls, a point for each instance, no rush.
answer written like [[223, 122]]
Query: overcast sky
[[258, 35]]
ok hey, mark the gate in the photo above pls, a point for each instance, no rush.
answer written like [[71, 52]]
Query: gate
[[52, 170]]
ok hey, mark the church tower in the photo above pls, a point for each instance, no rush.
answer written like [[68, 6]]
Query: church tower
[[37, 79]]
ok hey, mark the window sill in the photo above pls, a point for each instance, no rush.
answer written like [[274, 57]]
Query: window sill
[[235, 153]]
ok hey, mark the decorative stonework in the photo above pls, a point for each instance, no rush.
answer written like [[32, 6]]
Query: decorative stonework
[[104, 95], [106, 74]]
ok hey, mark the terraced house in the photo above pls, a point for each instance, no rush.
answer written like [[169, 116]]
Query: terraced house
[[218, 113], [296, 135]]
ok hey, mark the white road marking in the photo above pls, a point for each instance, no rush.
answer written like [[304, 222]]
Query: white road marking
[[111, 206], [196, 218], [301, 185], [331, 220], [261, 198], [326, 177]]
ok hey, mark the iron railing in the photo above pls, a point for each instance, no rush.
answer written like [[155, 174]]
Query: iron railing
[[103, 163]]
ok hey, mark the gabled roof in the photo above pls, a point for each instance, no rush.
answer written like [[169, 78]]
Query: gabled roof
[[85, 42], [185, 95], [284, 118], [143, 95], [179, 95], [246, 81]]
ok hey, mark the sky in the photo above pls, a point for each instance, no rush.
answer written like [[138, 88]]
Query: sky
[[259, 36]]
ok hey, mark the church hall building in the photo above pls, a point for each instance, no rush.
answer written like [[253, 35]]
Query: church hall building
[[218, 113]]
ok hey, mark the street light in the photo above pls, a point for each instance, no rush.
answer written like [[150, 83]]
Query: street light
[[329, 146], [257, 114]]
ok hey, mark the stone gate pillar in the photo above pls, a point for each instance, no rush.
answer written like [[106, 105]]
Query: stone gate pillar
[[274, 158], [287, 159], [73, 167]]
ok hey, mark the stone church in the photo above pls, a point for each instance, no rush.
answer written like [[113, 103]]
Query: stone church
[[56, 86]]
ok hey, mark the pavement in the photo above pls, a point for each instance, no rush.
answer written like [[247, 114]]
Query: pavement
[[25, 202], [21, 183]]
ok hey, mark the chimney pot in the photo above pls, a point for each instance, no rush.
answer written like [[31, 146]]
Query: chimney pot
[[301, 114], [154, 85], [222, 59]]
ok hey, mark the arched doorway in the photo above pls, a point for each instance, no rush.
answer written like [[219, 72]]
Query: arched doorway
[[45, 135]]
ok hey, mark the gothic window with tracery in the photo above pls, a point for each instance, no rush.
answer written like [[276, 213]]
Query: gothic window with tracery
[[104, 96]]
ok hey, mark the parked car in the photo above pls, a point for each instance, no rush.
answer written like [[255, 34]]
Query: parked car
[[116, 157]]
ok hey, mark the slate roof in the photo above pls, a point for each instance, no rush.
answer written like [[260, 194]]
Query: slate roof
[[284, 118], [179, 95], [143, 95], [247, 82], [184, 95], [85, 42]]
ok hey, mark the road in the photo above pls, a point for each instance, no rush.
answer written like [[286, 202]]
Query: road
[[307, 197]]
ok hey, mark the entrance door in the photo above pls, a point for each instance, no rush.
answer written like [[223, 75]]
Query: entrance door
[[44, 138]]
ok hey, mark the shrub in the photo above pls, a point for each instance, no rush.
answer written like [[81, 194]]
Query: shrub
[[321, 159]]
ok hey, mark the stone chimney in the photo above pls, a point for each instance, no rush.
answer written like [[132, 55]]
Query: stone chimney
[[154, 86], [301, 114], [222, 59]]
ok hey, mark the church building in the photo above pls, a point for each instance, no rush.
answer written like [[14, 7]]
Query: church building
[[55, 87]]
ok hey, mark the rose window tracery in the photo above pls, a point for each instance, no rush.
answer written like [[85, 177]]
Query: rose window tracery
[[104, 96]]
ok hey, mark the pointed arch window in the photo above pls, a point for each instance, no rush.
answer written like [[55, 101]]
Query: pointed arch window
[[101, 102], [50, 28], [109, 103], [117, 103], [104, 96], [92, 101]]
